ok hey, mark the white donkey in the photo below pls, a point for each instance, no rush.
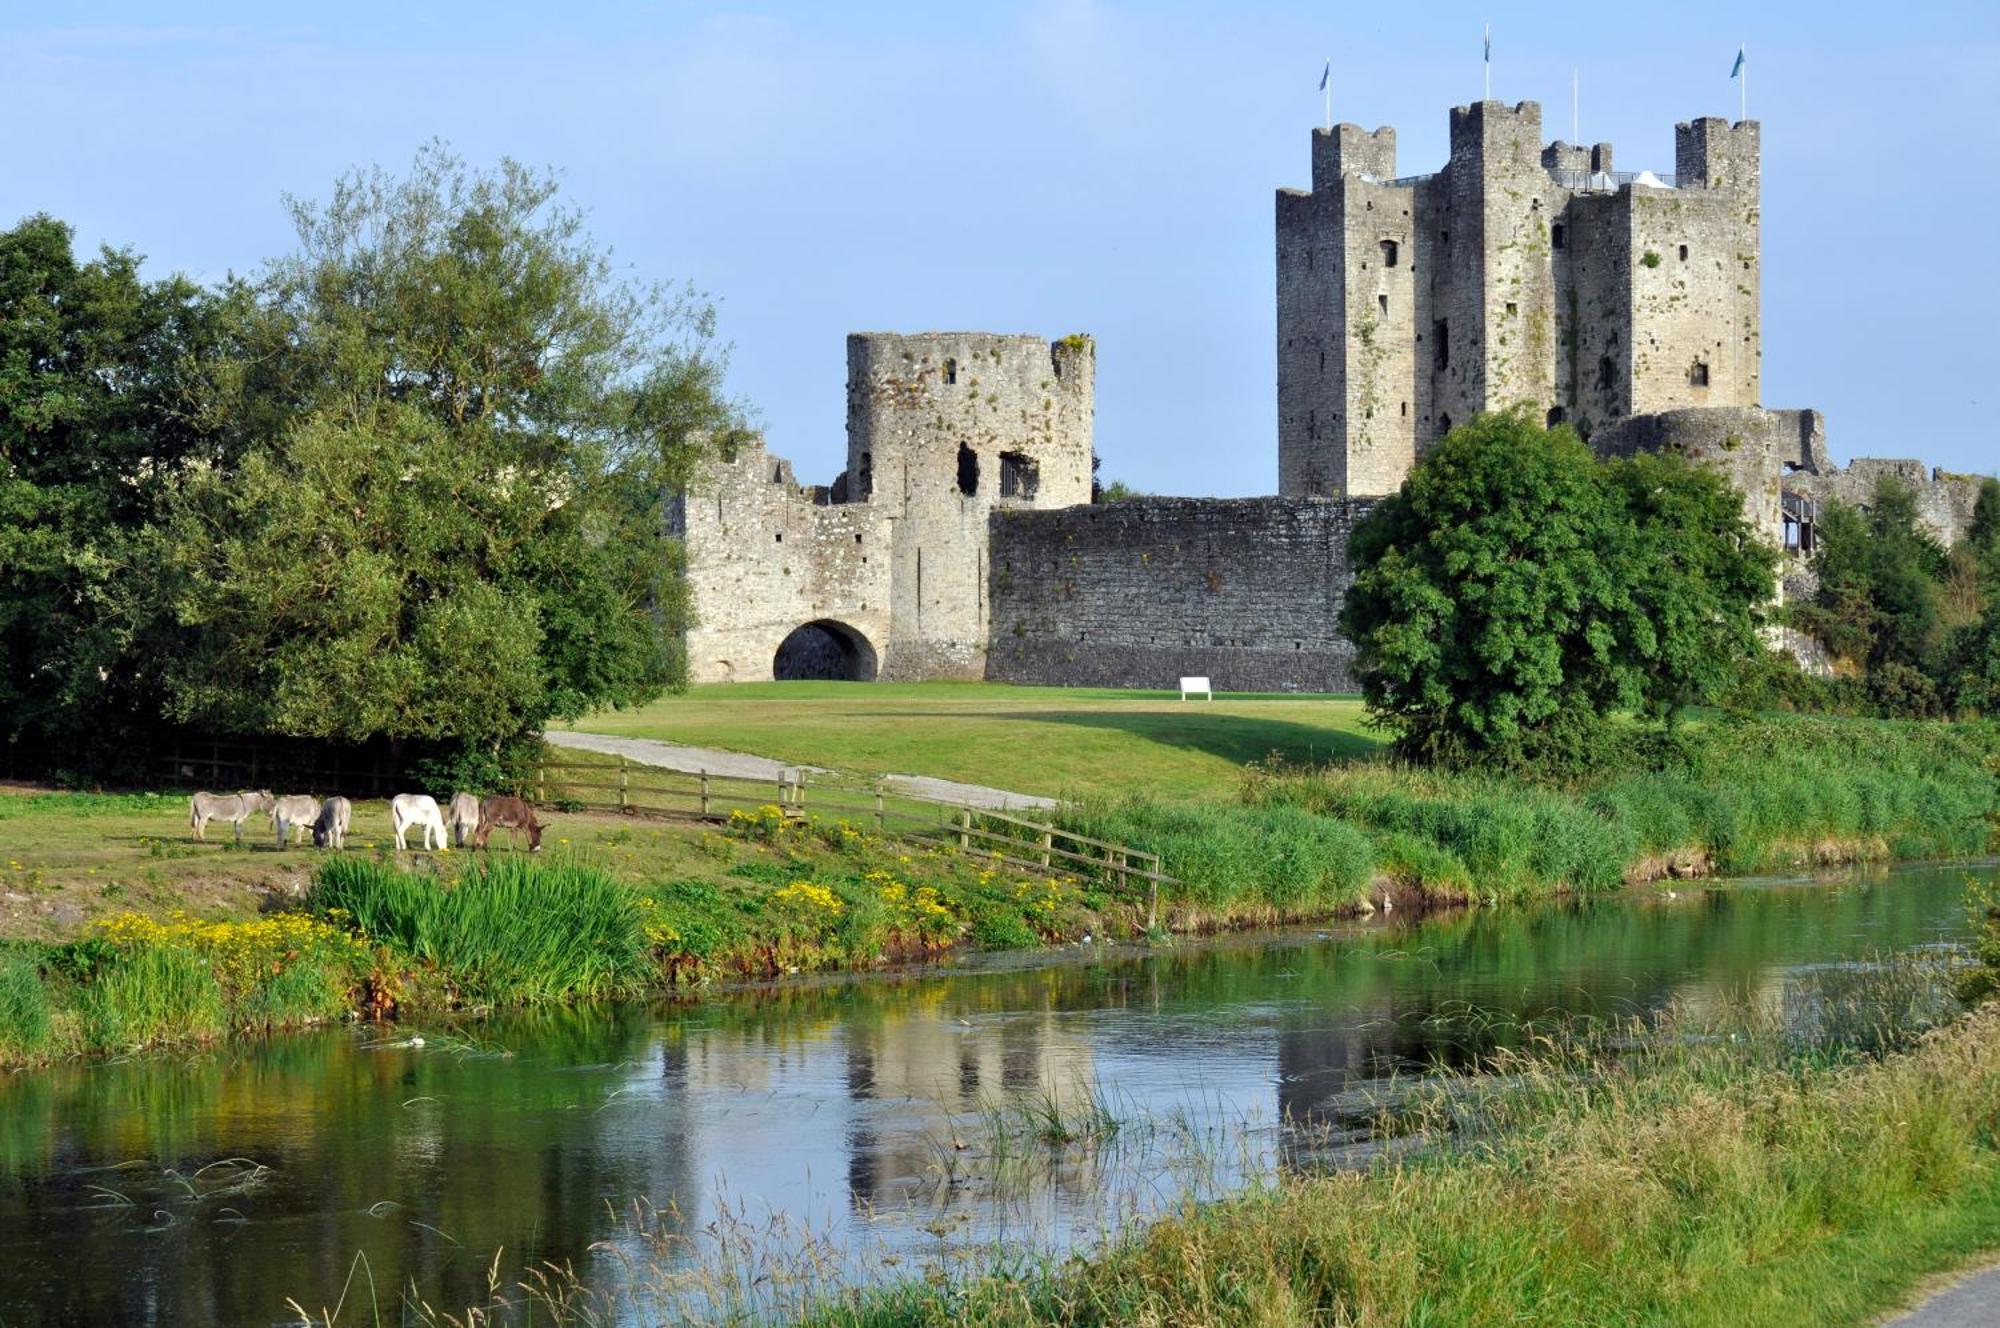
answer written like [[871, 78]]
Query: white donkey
[[463, 817], [293, 816], [330, 830], [235, 808], [416, 809]]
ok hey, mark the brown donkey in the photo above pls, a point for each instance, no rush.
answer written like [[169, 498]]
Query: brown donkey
[[510, 814]]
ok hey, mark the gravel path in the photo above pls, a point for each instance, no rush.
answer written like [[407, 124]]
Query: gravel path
[[735, 765], [1972, 1303]]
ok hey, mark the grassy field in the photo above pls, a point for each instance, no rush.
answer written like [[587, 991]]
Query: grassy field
[[1050, 740], [71, 858]]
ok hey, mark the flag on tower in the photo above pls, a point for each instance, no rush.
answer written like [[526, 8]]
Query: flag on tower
[[1325, 74], [1489, 43], [1737, 68]]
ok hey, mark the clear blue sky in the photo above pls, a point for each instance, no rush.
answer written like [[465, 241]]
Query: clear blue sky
[[1053, 166]]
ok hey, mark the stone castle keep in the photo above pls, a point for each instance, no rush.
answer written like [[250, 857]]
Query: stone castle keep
[[961, 540]]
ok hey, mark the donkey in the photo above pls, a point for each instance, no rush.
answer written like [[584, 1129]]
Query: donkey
[[462, 817], [235, 808], [419, 810], [330, 830], [293, 816], [510, 814]]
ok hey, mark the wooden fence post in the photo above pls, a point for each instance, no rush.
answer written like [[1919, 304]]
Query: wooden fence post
[[1118, 865], [624, 787], [704, 793], [878, 806], [541, 781], [1048, 842], [964, 827]]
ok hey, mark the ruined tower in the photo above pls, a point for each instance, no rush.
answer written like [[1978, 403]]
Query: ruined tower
[[942, 428], [1517, 276]]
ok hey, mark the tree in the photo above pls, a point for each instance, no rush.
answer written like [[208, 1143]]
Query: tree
[[1880, 600], [454, 529], [108, 391], [1516, 590]]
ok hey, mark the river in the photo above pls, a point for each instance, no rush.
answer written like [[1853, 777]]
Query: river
[[857, 1127]]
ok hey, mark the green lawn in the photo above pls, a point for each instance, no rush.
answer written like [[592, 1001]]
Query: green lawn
[[1051, 740]]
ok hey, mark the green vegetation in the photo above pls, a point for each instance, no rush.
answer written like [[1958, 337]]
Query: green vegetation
[[1727, 1180], [1913, 627], [507, 931], [1047, 740], [1518, 591], [227, 509]]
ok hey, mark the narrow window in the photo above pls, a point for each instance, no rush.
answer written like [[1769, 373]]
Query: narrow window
[[781, 537], [1444, 425], [1389, 253], [1607, 374], [1019, 476], [1556, 416], [1382, 301], [1322, 361], [1511, 310], [1557, 234], [867, 473], [1698, 374], [968, 470], [1441, 345], [1312, 425], [1406, 410], [1684, 253], [951, 371], [1444, 237]]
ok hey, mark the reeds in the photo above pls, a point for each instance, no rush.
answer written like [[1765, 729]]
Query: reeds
[[506, 932]]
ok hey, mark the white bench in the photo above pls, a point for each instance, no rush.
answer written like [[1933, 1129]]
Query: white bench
[[1196, 687]]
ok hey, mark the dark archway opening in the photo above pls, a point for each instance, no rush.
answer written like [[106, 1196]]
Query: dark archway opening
[[824, 651]]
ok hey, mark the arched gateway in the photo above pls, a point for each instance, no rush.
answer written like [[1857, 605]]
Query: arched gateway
[[824, 650]]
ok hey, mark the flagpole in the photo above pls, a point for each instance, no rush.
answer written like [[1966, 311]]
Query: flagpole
[[1575, 108], [1489, 62], [1326, 84], [1743, 86]]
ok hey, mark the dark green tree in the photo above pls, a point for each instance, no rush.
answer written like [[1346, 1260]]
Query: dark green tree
[[1880, 602], [1517, 590], [453, 528], [109, 386]]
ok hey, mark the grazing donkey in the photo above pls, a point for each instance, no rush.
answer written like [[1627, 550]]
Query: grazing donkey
[[235, 808], [510, 814], [420, 810], [330, 830], [293, 816], [462, 818]]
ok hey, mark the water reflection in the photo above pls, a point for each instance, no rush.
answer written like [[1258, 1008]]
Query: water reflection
[[838, 1106]]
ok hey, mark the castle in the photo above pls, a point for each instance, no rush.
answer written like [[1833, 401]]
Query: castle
[[961, 541]]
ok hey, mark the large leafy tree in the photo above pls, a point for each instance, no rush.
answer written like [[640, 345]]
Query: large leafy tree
[[108, 391], [1517, 589], [451, 528]]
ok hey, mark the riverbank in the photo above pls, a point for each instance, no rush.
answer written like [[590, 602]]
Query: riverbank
[[642, 908], [1726, 1181]]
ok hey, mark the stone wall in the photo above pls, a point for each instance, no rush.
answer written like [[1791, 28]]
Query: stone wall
[[1138, 594], [1762, 452], [1944, 500]]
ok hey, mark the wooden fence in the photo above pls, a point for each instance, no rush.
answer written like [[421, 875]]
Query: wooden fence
[[619, 785]]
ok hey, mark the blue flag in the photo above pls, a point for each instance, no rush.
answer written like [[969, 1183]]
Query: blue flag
[[1324, 75], [1737, 68], [1489, 43]]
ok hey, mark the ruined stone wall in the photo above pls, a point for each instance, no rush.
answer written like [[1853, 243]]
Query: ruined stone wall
[[766, 555], [936, 425], [1945, 501], [1138, 594]]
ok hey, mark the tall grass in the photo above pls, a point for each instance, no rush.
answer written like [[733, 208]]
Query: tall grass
[[151, 995], [507, 931], [25, 1015], [1230, 858]]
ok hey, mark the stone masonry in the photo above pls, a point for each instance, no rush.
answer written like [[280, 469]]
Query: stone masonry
[[961, 542], [1518, 276]]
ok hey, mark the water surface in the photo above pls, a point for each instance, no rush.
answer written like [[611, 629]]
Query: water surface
[[209, 1190]]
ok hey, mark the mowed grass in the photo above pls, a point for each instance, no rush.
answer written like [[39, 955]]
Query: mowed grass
[[1055, 741]]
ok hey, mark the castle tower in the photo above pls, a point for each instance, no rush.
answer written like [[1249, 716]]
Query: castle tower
[[1519, 276], [942, 429]]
